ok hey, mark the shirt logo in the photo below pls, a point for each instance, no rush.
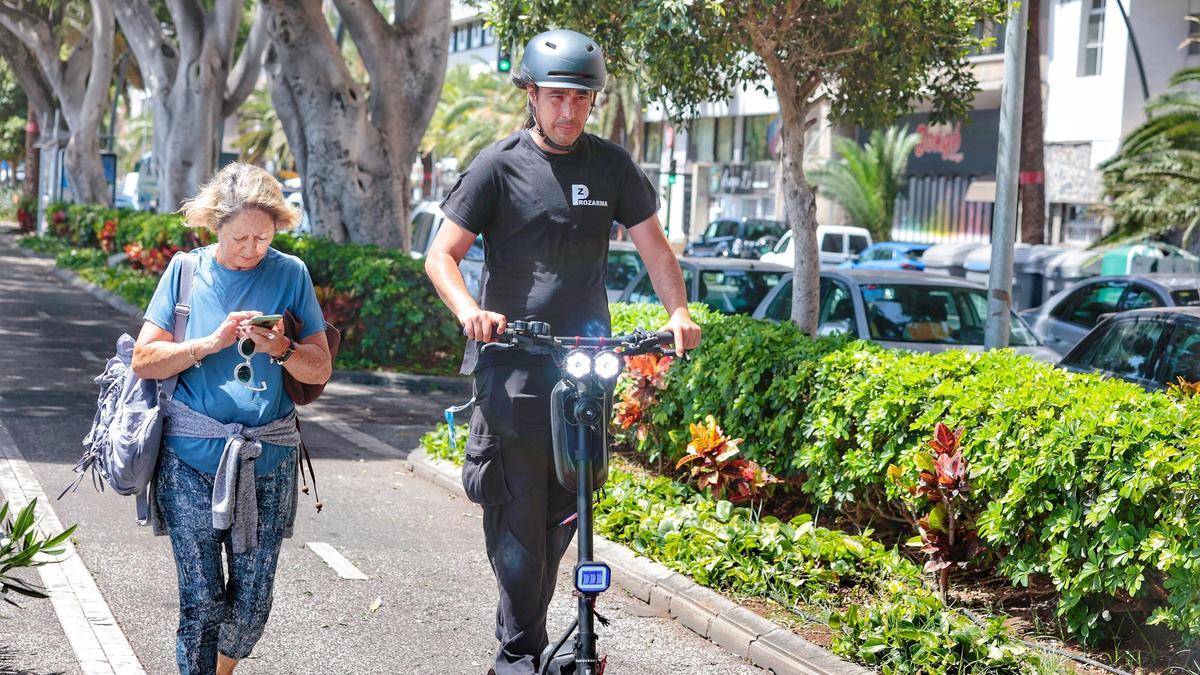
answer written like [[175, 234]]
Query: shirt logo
[[579, 197]]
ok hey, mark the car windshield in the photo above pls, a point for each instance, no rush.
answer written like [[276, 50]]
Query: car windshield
[[933, 314], [1186, 297], [735, 291], [757, 229], [623, 267], [721, 228]]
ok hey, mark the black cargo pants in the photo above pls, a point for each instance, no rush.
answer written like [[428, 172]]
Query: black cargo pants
[[509, 470]]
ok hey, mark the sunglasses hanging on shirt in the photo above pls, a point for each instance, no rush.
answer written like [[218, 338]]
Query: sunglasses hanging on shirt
[[244, 372]]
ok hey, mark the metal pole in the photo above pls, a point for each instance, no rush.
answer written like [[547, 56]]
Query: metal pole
[[1137, 53], [1004, 225]]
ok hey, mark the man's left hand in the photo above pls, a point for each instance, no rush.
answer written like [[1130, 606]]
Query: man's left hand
[[687, 333]]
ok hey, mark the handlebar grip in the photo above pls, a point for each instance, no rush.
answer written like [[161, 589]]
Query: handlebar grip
[[665, 337]]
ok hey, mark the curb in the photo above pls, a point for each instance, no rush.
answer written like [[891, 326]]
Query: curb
[[705, 612], [378, 378], [413, 383]]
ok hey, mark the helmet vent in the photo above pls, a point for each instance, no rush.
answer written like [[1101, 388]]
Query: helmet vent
[[567, 73], [591, 48], [551, 45]]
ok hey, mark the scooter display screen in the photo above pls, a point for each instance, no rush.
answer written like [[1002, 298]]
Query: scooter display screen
[[592, 577]]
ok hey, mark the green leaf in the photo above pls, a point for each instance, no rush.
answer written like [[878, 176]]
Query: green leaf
[[925, 462]]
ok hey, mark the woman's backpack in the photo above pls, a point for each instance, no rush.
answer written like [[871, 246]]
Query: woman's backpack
[[123, 443]]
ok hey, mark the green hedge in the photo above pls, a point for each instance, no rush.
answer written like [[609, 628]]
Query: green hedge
[[388, 311], [1090, 482], [889, 620]]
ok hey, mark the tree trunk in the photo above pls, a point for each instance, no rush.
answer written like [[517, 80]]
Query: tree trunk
[[800, 206], [355, 153], [195, 85], [79, 85], [185, 125], [799, 200], [82, 156], [33, 159], [1033, 168]]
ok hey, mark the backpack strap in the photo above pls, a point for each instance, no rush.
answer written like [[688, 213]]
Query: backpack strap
[[183, 309], [166, 389]]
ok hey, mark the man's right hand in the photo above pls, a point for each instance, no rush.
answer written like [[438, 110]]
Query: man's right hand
[[482, 325]]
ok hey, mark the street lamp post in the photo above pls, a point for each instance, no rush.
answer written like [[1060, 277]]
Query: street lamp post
[[1004, 225]]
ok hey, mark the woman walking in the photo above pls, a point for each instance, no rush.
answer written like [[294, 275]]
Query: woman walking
[[227, 470]]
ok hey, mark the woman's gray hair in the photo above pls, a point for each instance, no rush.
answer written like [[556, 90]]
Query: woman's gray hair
[[234, 188]]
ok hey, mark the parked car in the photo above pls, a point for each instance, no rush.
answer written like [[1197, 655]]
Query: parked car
[[624, 265], [745, 238], [727, 285], [427, 219], [889, 255], [1067, 316], [903, 310], [296, 199], [1152, 348], [837, 244]]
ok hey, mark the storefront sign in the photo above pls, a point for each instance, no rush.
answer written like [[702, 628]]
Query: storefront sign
[[744, 178], [940, 139]]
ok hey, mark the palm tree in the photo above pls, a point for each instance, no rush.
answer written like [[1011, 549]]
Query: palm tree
[[261, 136], [866, 180], [618, 114], [475, 111], [1153, 182]]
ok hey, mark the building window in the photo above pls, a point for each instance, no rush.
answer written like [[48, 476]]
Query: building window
[[489, 35], [724, 140], [476, 35], [1193, 41], [989, 30], [760, 138], [701, 136], [1092, 54], [653, 145], [460, 38]]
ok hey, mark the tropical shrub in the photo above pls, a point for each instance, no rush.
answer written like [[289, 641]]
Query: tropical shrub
[[1088, 482]]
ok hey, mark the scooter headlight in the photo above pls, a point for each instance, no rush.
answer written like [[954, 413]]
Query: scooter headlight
[[607, 365], [579, 364]]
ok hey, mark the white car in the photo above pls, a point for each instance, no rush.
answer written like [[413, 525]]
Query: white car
[[837, 244], [427, 219]]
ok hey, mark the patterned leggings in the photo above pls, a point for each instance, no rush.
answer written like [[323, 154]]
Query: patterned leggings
[[215, 614]]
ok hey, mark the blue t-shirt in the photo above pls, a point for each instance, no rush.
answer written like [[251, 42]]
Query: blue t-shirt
[[280, 282]]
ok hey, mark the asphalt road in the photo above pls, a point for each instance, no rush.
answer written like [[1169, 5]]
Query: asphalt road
[[428, 603]]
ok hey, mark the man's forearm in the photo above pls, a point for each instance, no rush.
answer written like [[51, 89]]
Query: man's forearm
[[668, 282], [448, 280]]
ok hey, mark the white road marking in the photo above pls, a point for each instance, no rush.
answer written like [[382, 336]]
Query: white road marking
[[92, 630], [344, 568], [90, 356], [362, 439]]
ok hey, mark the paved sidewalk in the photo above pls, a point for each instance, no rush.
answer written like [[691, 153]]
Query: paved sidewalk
[[427, 605]]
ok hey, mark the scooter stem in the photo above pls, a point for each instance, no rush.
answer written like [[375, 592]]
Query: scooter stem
[[585, 659]]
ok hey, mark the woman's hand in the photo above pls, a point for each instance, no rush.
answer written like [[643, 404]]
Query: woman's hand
[[227, 333], [270, 341]]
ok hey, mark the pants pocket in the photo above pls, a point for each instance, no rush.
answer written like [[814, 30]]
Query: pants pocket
[[483, 471]]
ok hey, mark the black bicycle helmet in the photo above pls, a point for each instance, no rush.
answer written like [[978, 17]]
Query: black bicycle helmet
[[563, 59]]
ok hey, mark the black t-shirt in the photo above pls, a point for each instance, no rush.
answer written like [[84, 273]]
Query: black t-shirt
[[545, 220]]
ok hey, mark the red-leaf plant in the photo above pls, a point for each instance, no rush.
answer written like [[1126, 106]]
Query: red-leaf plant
[[716, 467], [943, 479], [1182, 389], [645, 375]]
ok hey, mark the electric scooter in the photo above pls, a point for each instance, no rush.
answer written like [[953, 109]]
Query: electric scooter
[[580, 410]]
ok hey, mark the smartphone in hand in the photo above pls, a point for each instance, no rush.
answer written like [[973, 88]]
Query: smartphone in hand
[[266, 320]]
